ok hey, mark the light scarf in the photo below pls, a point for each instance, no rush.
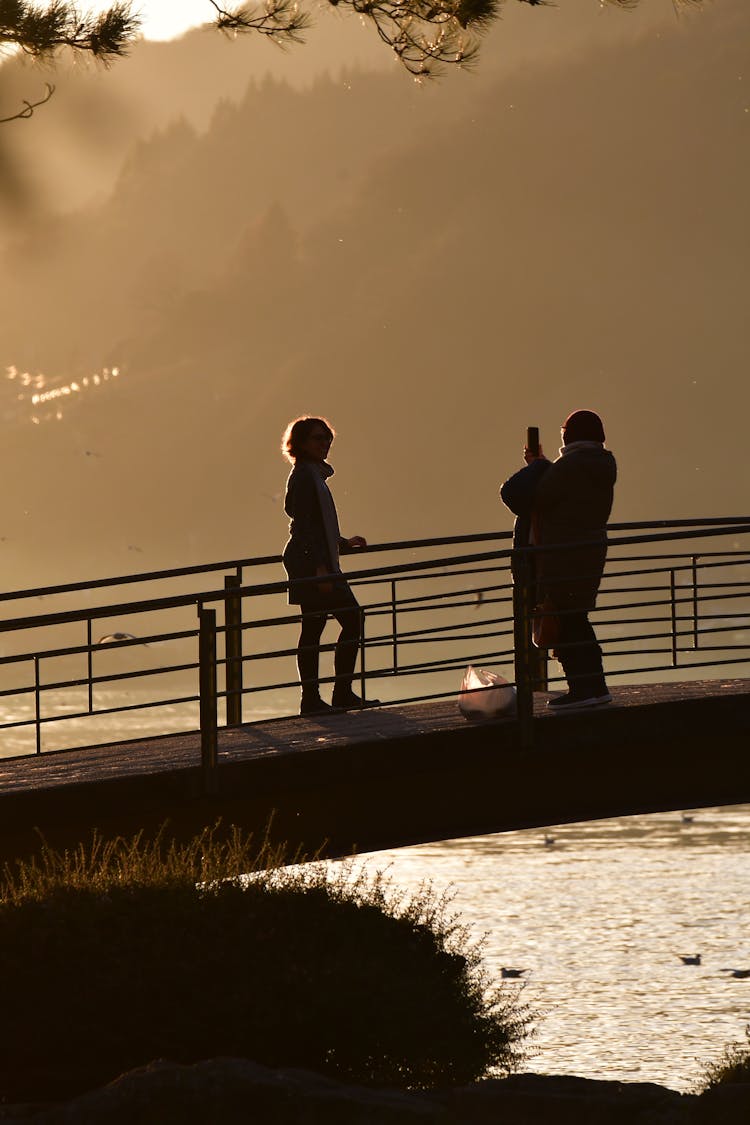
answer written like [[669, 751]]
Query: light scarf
[[328, 512], [573, 446]]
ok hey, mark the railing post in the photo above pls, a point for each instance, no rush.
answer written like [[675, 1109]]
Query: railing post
[[394, 625], [233, 649], [90, 664], [522, 610], [37, 705], [696, 639], [673, 601], [362, 669], [207, 675]]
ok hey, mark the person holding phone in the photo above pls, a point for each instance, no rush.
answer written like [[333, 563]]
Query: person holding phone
[[519, 491], [561, 504], [313, 549]]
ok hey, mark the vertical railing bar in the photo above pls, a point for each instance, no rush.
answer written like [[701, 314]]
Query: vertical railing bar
[[521, 643], [394, 625], [208, 699], [538, 661], [362, 646], [90, 662], [233, 649], [38, 706], [672, 591], [696, 638]]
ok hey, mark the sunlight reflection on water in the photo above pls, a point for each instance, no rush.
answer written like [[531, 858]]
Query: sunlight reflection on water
[[598, 918], [147, 718]]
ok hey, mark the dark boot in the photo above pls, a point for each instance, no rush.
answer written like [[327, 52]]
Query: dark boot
[[308, 660], [344, 660], [314, 705], [581, 659]]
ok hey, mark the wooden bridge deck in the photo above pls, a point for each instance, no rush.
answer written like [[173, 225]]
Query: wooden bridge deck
[[394, 776]]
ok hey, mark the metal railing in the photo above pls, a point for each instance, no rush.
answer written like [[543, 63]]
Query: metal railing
[[216, 643]]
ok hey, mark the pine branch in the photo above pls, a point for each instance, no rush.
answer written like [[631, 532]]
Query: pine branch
[[425, 35], [281, 20], [42, 30], [29, 107]]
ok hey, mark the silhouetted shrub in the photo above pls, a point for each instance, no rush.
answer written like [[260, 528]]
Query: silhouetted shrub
[[733, 1065], [118, 955]]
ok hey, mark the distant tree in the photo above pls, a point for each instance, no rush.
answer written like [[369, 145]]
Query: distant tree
[[426, 35]]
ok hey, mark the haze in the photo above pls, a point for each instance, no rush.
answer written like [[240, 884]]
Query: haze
[[166, 19], [432, 268]]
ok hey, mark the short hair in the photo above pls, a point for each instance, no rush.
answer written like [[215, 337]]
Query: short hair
[[298, 431]]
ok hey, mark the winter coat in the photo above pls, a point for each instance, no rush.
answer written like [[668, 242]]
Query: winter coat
[[518, 494], [307, 548], [572, 504]]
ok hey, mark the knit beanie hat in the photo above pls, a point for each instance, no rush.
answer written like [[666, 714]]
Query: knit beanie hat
[[582, 425]]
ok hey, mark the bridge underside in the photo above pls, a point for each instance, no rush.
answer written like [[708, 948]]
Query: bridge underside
[[391, 777]]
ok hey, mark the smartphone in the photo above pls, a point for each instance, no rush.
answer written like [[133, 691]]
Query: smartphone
[[532, 440]]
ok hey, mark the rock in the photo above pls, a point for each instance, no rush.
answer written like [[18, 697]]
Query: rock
[[233, 1092], [728, 1104], [542, 1099], [229, 1091]]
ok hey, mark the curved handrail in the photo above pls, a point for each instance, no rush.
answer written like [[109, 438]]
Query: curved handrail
[[395, 545]]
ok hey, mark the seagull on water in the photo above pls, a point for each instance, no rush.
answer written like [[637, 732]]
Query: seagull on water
[[739, 974], [512, 972], [690, 958]]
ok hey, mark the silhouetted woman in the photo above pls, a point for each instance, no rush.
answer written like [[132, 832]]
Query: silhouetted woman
[[314, 545]]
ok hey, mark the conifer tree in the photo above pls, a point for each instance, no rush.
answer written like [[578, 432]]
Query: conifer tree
[[426, 35]]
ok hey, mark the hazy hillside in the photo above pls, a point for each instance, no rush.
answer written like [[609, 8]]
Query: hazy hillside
[[75, 148], [432, 279]]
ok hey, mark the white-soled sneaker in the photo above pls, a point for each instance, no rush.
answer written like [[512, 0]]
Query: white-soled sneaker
[[562, 704]]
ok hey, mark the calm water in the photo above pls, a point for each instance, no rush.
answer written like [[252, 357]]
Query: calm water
[[597, 916]]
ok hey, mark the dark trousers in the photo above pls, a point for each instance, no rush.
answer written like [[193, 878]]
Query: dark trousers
[[580, 655], [316, 609]]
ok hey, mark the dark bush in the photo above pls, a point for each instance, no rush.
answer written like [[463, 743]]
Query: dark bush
[[732, 1066], [119, 956]]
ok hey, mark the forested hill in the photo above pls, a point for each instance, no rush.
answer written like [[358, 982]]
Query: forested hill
[[434, 279], [74, 150]]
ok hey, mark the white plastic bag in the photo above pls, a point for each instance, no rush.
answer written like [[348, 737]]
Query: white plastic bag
[[485, 695]]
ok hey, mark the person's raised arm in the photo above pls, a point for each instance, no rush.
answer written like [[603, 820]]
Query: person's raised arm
[[518, 491]]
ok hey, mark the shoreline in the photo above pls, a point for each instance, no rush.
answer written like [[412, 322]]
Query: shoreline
[[233, 1091]]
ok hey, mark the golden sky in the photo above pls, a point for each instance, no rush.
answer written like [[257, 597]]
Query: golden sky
[[163, 19]]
